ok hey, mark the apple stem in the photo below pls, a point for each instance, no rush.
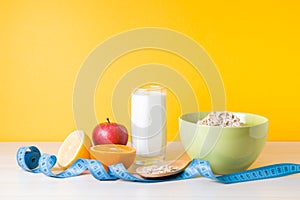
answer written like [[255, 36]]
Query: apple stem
[[108, 120]]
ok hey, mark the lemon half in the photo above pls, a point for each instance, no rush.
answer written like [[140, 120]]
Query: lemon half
[[75, 146]]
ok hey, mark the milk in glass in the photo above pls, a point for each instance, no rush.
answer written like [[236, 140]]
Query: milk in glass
[[148, 124]]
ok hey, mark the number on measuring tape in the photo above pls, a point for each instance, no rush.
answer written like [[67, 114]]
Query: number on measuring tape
[[30, 159]]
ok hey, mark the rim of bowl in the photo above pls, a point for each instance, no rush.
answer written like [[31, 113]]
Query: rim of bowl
[[127, 149], [265, 120]]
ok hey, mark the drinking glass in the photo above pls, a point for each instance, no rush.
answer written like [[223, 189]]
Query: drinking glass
[[148, 124]]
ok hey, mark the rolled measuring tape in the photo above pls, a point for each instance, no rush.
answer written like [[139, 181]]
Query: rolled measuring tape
[[30, 159]]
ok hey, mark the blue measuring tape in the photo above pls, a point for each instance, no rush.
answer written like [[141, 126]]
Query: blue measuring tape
[[30, 159]]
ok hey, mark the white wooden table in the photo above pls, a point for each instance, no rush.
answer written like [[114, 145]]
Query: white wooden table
[[18, 184]]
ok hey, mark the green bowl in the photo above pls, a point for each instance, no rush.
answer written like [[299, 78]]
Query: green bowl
[[228, 149]]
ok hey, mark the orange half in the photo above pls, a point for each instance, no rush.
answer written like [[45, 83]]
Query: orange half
[[110, 154]]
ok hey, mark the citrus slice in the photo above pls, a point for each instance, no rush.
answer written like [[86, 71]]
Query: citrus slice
[[110, 154], [75, 146]]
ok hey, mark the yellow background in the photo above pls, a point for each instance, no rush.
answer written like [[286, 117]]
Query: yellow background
[[255, 45]]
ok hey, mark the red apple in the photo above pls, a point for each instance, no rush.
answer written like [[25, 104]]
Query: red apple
[[110, 133]]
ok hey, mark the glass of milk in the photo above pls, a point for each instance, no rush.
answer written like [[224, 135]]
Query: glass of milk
[[148, 124]]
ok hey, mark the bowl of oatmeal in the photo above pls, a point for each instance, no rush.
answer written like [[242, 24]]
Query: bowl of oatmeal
[[230, 141]]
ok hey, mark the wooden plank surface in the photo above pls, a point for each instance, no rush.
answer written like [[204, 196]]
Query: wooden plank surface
[[18, 184]]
